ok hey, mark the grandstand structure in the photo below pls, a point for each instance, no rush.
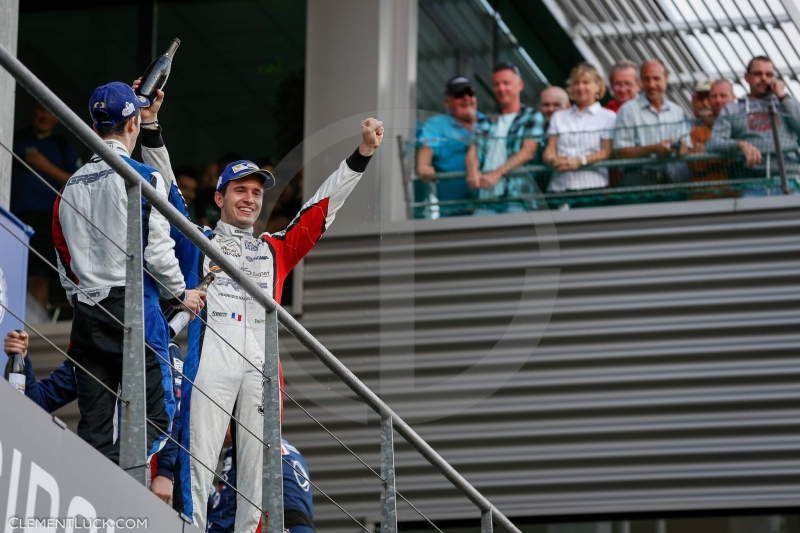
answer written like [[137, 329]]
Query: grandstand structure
[[697, 40], [616, 369]]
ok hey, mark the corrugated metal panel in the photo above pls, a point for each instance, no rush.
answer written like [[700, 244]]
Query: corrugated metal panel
[[664, 374]]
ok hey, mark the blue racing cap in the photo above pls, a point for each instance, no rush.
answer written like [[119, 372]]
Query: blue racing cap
[[114, 103], [242, 168]]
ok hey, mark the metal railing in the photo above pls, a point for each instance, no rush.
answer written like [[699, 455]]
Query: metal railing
[[700, 173], [133, 449]]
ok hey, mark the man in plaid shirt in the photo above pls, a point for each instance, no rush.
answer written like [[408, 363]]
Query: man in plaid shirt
[[500, 144]]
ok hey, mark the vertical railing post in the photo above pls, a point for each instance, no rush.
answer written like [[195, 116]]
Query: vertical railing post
[[486, 522], [388, 494], [408, 177], [773, 118], [272, 475], [133, 425]]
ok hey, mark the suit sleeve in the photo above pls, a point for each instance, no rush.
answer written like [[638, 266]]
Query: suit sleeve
[[53, 392], [154, 154], [721, 139], [159, 252], [298, 239], [166, 458]]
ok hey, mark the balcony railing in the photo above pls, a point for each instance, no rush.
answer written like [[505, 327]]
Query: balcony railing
[[680, 173]]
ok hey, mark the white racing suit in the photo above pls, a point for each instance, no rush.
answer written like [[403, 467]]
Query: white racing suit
[[219, 370]]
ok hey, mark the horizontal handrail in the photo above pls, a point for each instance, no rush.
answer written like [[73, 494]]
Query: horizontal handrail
[[610, 163], [74, 123]]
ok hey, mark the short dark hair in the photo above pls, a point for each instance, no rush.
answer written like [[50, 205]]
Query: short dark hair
[[655, 60], [506, 65], [185, 170], [262, 162], [226, 159], [765, 59], [118, 129], [624, 64]]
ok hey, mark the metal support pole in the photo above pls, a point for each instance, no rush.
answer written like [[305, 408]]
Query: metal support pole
[[9, 17], [133, 430], [486, 522], [773, 118], [272, 474], [407, 177], [388, 495]]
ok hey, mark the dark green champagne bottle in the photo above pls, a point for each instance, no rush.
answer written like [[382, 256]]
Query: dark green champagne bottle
[[155, 77], [15, 370]]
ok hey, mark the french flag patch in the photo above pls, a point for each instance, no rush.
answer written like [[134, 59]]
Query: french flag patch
[[236, 317]]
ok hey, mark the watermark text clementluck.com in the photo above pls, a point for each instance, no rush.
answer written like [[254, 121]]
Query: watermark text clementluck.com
[[76, 523]]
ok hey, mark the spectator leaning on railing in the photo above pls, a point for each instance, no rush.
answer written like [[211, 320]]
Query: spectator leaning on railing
[[719, 92], [501, 143], [652, 126], [580, 135], [625, 83], [744, 126], [444, 139]]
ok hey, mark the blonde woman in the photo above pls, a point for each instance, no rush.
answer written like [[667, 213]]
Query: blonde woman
[[581, 134]]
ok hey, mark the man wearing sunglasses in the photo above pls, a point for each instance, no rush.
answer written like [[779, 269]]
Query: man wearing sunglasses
[[443, 143]]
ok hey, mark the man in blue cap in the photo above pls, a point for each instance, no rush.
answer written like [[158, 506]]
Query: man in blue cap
[[88, 227], [214, 358]]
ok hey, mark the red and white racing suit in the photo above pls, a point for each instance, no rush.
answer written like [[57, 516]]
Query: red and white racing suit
[[219, 370]]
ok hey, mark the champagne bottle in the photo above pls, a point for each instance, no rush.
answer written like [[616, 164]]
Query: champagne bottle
[[179, 317], [15, 370], [155, 77]]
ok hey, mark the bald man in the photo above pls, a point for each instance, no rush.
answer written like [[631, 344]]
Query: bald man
[[719, 92], [551, 100], [652, 125]]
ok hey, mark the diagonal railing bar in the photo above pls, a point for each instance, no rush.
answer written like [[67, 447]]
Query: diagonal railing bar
[[320, 424], [301, 474], [42, 93]]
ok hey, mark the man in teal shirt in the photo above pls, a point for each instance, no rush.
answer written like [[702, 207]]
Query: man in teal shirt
[[443, 143]]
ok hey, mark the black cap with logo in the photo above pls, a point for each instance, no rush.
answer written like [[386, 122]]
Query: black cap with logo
[[459, 86]]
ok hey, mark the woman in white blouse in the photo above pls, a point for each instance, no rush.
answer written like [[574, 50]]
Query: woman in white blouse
[[580, 135]]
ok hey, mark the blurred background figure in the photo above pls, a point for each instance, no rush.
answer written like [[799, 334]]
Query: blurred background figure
[[551, 100], [502, 143], [652, 125], [581, 134], [186, 179], [54, 159], [706, 113], [744, 126], [206, 209], [625, 84]]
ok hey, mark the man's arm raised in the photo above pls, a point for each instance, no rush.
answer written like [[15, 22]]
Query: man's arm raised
[[299, 238]]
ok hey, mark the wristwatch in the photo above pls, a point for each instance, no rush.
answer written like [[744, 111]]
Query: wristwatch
[[583, 161]]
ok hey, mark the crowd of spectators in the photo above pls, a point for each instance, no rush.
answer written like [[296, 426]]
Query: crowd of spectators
[[570, 132]]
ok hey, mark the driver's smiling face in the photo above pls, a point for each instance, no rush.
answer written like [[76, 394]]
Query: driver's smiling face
[[241, 203]]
